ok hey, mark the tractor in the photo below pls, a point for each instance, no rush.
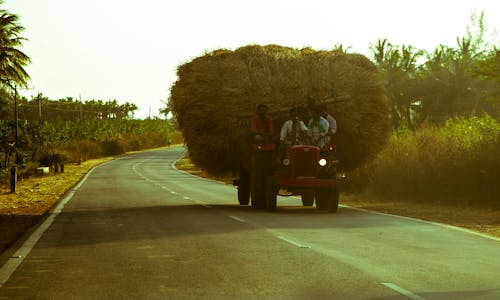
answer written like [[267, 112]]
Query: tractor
[[305, 170]]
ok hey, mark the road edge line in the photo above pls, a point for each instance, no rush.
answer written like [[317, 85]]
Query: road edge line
[[462, 229], [11, 265]]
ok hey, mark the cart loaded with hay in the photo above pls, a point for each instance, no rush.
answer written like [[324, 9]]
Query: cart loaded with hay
[[216, 95]]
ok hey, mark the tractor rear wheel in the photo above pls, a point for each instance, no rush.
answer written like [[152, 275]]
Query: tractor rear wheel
[[244, 187], [271, 192]]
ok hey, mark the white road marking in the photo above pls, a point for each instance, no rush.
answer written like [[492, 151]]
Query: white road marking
[[238, 219], [17, 258], [293, 242], [402, 291], [428, 222]]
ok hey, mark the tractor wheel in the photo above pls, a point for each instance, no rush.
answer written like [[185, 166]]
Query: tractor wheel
[[333, 199], [321, 200], [327, 199], [308, 199], [261, 168], [271, 193], [258, 190], [244, 188]]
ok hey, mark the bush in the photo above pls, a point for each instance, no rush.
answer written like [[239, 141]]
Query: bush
[[110, 148], [456, 163], [51, 158]]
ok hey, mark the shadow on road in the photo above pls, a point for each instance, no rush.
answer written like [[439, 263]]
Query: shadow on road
[[108, 225]]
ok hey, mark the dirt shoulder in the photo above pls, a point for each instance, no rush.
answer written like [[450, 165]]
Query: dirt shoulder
[[37, 195], [34, 197]]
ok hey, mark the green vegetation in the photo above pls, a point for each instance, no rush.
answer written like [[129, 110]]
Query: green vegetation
[[445, 114], [55, 132], [454, 163]]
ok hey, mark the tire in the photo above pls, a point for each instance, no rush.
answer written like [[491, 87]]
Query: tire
[[243, 196], [261, 168], [328, 199], [244, 187], [333, 200], [271, 193], [308, 199], [258, 198], [321, 203]]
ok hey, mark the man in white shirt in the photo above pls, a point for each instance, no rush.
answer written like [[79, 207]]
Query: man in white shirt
[[294, 130], [318, 128], [332, 129]]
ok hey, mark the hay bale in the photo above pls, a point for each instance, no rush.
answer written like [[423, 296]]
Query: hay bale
[[217, 93]]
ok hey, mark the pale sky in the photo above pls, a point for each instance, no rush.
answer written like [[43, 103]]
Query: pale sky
[[129, 50]]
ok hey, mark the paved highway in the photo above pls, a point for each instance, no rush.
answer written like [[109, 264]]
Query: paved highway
[[137, 228]]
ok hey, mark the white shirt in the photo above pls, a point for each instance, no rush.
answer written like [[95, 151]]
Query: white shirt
[[317, 130], [287, 129], [333, 124]]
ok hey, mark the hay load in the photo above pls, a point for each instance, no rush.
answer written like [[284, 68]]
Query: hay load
[[216, 95]]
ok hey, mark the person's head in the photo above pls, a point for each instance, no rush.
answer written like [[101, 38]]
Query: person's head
[[293, 112], [261, 110], [315, 112]]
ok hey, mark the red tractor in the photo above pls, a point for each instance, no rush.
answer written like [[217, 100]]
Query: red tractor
[[302, 170]]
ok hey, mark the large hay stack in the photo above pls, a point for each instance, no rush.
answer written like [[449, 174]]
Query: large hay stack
[[216, 95]]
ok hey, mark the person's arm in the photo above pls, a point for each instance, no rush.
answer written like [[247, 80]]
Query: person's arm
[[284, 131], [334, 126], [303, 127], [324, 126]]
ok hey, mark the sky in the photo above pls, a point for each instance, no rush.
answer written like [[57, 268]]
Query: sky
[[129, 50]]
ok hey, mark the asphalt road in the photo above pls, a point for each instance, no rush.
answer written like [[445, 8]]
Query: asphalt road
[[137, 228]]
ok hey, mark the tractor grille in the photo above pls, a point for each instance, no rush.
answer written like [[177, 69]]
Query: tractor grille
[[304, 161]]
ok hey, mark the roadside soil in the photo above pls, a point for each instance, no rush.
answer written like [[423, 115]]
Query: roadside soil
[[34, 197], [37, 195]]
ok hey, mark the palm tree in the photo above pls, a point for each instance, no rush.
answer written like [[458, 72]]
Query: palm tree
[[12, 60]]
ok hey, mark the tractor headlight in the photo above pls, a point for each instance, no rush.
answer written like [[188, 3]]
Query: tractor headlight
[[322, 162], [286, 162]]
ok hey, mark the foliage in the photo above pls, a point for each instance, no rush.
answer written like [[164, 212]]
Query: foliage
[[79, 130], [448, 82], [12, 60], [455, 162]]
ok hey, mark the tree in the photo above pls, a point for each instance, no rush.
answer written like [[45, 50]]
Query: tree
[[400, 70], [12, 60], [461, 81]]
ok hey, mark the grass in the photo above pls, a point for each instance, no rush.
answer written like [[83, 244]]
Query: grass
[[457, 163]]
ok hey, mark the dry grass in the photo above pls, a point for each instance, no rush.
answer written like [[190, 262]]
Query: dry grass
[[34, 197], [216, 95]]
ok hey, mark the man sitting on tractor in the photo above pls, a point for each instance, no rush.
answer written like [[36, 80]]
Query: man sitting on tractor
[[261, 125], [318, 128], [293, 131]]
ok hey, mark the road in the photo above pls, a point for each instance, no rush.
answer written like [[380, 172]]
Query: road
[[137, 228]]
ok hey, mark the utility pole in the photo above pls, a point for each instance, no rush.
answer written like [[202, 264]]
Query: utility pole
[[81, 108], [39, 106], [15, 113]]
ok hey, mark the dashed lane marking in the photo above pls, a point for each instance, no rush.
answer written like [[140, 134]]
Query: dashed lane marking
[[402, 291], [238, 219], [293, 242]]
